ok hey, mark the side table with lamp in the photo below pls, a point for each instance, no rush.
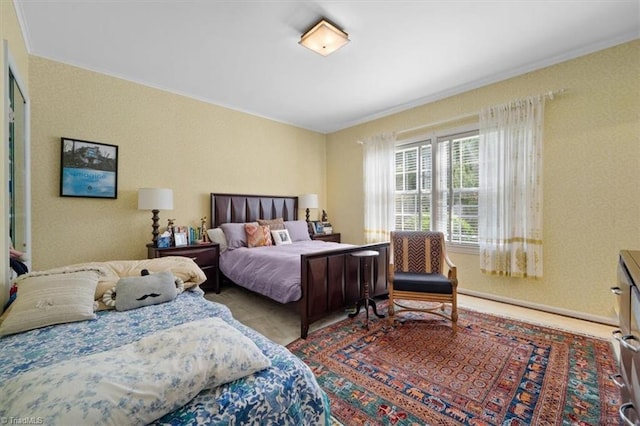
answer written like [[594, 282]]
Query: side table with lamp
[[206, 255]]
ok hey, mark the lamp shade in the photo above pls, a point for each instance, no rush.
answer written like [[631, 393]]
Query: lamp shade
[[155, 199], [308, 201]]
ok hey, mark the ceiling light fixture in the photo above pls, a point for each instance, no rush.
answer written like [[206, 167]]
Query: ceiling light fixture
[[324, 38]]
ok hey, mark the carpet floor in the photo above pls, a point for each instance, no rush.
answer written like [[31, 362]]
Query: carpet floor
[[495, 371]]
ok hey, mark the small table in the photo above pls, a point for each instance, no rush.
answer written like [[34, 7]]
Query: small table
[[205, 255], [364, 267]]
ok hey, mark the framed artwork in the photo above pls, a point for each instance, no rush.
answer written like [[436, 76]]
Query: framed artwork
[[181, 239], [318, 227], [88, 169], [281, 236]]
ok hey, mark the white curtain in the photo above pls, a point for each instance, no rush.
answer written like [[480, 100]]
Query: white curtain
[[379, 187], [510, 198]]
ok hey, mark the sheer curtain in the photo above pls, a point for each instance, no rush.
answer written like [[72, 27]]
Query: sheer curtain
[[510, 198], [379, 186]]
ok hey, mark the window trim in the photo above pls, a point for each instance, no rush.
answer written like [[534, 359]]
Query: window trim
[[434, 137]]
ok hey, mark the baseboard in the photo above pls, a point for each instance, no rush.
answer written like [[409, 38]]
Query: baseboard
[[544, 308]]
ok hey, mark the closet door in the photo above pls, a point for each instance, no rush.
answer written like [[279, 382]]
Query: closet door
[[17, 166]]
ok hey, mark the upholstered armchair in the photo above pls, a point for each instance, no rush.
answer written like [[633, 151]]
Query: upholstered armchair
[[416, 275]]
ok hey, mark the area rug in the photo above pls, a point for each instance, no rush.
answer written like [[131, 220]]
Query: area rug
[[495, 371]]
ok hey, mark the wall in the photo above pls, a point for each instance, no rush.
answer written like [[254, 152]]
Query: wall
[[591, 185], [11, 33], [164, 140]]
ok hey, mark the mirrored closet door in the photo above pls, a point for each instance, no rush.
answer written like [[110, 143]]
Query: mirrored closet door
[[18, 164]]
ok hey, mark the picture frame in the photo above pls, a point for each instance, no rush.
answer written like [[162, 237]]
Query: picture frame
[[280, 237], [318, 228], [180, 239], [88, 169]]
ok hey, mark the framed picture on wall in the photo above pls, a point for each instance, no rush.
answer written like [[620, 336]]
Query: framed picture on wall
[[88, 169]]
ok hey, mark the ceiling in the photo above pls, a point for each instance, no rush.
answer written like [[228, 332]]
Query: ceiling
[[245, 55]]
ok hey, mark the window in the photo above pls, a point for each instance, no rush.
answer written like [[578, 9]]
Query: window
[[437, 186]]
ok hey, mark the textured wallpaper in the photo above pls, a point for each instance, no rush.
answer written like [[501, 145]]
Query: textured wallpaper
[[591, 161], [164, 140], [591, 183]]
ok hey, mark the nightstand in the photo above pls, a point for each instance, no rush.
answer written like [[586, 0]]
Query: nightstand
[[205, 255], [334, 238]]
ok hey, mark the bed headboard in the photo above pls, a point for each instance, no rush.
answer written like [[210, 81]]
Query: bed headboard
[[239, 208]]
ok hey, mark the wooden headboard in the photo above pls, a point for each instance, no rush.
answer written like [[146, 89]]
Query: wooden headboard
[[239, 208]]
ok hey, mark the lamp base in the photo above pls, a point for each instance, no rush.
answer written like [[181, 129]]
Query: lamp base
[[155, 227], [307, 211]]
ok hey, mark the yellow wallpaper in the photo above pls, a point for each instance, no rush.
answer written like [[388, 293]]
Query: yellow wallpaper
[[592, 155], [11, 34], [164, 140], [591, 184]]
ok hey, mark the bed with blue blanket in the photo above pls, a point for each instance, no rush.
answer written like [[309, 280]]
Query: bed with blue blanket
[[186, 361]]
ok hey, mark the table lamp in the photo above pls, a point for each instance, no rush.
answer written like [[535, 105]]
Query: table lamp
[[308, 201], [155, 199]]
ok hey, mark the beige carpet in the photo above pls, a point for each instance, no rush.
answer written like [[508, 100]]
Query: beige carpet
[[280, 323]]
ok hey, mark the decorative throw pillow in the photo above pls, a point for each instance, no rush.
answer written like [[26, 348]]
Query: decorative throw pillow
[[257, 235], [298, 230], [216, 235], [281, 237], [235, 234], [272, 223], [51, 299], [152, 289]]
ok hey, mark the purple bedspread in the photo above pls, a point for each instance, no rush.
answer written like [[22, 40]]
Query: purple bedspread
[[272, 271]]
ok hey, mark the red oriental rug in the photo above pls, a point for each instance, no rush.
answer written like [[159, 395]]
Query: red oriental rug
[[495, 371]]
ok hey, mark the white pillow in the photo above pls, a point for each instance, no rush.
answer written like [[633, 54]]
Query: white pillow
[[51, 299], [281, 236], [298, 230], [216, 235]]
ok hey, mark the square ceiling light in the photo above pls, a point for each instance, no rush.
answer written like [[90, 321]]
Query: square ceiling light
[[324, 38]]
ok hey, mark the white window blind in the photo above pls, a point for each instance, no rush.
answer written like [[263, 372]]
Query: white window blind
[[437, 186]]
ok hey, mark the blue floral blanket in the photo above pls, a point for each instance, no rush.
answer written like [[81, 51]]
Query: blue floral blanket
[[185, 362]]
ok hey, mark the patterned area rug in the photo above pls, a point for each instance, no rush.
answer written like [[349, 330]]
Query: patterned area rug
[[496, 371]]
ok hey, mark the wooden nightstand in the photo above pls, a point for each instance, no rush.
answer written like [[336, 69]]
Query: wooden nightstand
[[334, 238], [205, 256]]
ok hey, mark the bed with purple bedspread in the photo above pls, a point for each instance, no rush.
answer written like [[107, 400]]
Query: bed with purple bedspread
[[273, 271], [319, 277]]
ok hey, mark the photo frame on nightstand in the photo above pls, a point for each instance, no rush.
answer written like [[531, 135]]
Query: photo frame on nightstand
[[180, 239], [318, 228]]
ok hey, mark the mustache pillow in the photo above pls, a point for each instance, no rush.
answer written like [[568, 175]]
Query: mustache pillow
[[149, 289]]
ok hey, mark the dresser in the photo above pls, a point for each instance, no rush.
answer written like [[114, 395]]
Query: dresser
[[205, 255], [627, 338]]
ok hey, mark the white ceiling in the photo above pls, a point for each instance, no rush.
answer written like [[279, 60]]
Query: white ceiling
[[245, 54]]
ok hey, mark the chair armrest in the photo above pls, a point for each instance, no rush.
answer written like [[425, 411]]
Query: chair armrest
[[453, 270]]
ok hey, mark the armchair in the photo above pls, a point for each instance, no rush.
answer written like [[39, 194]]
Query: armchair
[[416, 275]]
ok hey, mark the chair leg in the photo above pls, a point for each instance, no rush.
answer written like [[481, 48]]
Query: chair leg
[[390, 310], [454, 318]]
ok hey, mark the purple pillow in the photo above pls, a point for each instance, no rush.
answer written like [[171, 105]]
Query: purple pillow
[[298, 230], [235, 234]]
